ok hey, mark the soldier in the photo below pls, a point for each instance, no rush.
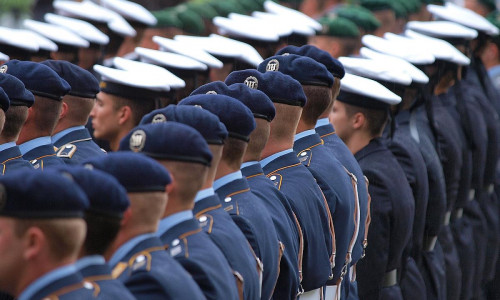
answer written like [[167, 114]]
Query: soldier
[[124, 99], [70, 136], [108, 201], [42, 241], [207, 206], [49, 89], [359, 116], [20, 101], [137, 257], [184, 152], [243, 206]]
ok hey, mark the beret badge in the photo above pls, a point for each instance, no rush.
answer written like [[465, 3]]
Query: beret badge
[[159, 118], [137, 140], [211, 93], [251, 82], [3, 69], [273, 65]]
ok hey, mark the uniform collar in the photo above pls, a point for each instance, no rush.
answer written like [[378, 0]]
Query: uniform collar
[[7, 146], [204, 194], [127, 247], [302, 134], [34, 143], [45, 280], [494, 71], [270, 158], [248, 164], [90, 260], [61, 134], [322, 122], [227, 179], [172, 220]]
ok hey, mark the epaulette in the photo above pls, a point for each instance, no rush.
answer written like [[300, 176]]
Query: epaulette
[[175, 248], [140, 262], [305, 156], [276, 179], [66, 151], [36, 163], [206, 222]]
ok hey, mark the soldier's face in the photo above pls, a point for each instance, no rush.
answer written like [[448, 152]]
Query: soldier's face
[[340, 120], [11, 251], [105, 118]]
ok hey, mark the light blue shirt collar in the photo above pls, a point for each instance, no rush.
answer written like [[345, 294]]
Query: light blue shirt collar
[[302, 134], [60, 134], [32, 144], [322, 122], [270, 158], [494, 71], [127, 247], [248, 164], [227, 179], [45, 280], [90, 260], [173, 220], [204, 194], [7, 146]]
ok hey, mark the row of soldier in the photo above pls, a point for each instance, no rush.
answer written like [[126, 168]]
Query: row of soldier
[[430, 170]]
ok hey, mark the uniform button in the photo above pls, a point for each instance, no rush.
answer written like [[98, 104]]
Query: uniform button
[[175, 242], [273, 178], [202, 218], [227, 199], [303, 154], [88, 285], [140, 258]]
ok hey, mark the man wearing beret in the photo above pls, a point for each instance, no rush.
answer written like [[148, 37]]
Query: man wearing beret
[[243, 206], [48, 88], [136, 255], [212, 217], [70, 136], [183, 151], [292, 178], [41, 242], [20, 101]]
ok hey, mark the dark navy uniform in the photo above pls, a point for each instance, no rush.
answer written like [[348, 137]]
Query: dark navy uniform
[[95, 271], [255, 222], [74, 145], [337, 186], [230, 240], [392, 211], [40, 153], [149, 272], [11, 159], [190, 246], [344, 155], [286, 227], [308, 203]]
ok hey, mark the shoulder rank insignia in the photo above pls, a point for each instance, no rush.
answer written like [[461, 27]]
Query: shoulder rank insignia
[[276, 179], [66, 151], [305, 157], [35, 163], [206, 222], [176, 248], [140, 262]]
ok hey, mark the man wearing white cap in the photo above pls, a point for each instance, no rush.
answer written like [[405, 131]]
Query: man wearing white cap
[[359, 116]]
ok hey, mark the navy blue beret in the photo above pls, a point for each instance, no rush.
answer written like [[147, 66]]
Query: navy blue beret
[[83, 83], [333, 65], [37, 78], [105, 194], [169, 141], [135, 172], [4, 100], [279, 87], [25, 194], [258, 102], [235, 115], [208, 124], [18, 94], [305, 70]]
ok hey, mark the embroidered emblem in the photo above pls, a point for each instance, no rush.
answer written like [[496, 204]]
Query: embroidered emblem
[[137, 140]]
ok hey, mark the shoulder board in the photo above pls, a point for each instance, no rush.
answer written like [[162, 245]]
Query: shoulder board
[[206, 222], [119, 269], [305, 156], [66, 151], [276, 179], [36, 163], [140, 262], [176, 248]]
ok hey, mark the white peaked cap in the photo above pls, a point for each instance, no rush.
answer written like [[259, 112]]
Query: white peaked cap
[[137, 66], [222, 46], [11, 37], [4, 57], [376, 70], [416, 74], [239, 28], [400, 50], [278, 9], [43, 42], [280, 28], [88, 10], [369, 88], [133, 79], [463, 16], [169, 59], [131, 11], [185, 49], [442, 29], [438, 51], [81, 28], [297, 26], [56, 33], [457, 57]]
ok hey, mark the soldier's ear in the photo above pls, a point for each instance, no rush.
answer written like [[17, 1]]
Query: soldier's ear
[[124, 114], [64, 110], [127, 215], [358, 120]]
